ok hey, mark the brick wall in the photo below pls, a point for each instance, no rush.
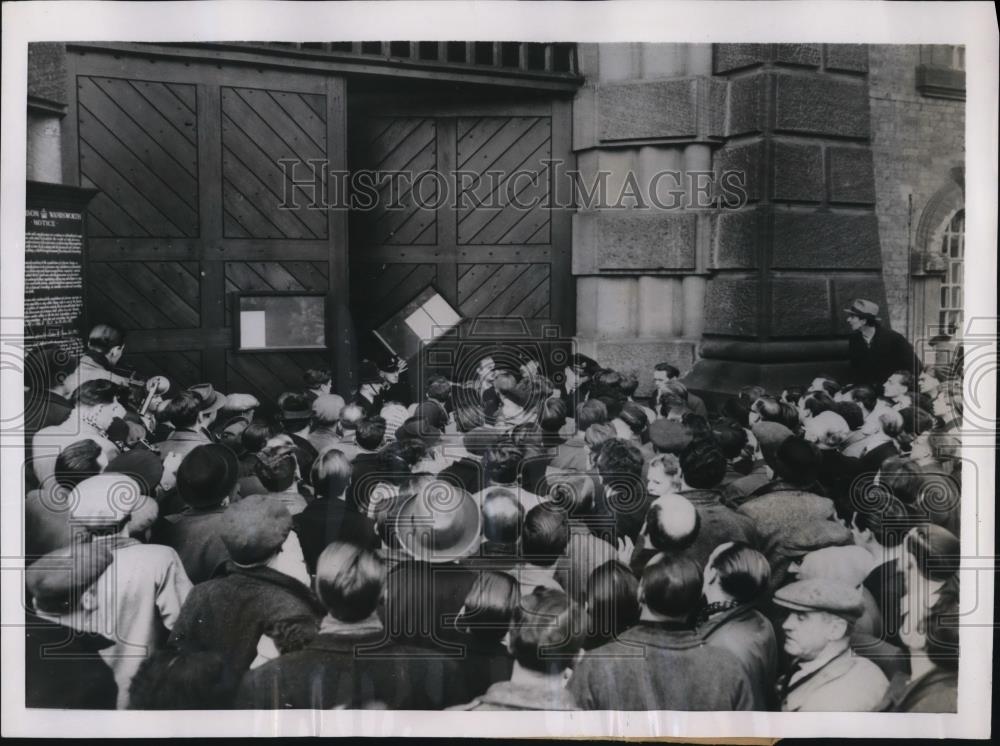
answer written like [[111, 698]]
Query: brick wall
[[916, 141]]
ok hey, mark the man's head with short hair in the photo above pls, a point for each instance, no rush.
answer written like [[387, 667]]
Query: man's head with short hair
[[671, 587], [827, 430], [502, 463], [545, 535], [703, 465], [317, 379], [672, 394], [439, 389], [866, 396], [326, 410], [739, 571], [276, 467], [182, 411], [489, 606], [662, 373], [825, 384], [255, 436], [599, 434], [108, 341], [852, 413], [612, 599], [552, 417], [898, 384], [590, 412], [330, 474], [370, 433], [672, 523], [350, 416], [349, 581], [503, 515], [812, 404], [79, 461], [545, 634]]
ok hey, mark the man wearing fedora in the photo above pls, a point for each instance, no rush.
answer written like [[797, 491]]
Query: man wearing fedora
[[875, 352], [826, 676]]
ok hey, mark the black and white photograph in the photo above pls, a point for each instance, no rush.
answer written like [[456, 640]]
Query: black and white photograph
[[449, 360]]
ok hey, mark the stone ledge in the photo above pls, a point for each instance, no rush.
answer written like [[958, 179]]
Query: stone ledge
[[852, 58]]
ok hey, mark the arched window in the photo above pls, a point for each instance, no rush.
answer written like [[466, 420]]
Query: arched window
[[953, 248]]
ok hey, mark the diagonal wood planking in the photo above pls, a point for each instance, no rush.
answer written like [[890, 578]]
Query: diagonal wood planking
[[506, 156], [259, 129], [138, 146]]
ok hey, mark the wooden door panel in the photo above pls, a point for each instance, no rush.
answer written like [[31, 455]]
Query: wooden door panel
[[186, 158]]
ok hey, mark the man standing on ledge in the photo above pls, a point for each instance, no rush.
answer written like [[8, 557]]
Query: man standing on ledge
[[874, 352]]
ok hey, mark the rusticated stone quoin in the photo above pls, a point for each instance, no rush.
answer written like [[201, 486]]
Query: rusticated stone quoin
[[745, 159], [852, 175], [807, 55], [798, 172], [800, 306], [746, 105], [824, 240], [847, 57], [737, 239], [729, 57], [731, 306], [821, 106]]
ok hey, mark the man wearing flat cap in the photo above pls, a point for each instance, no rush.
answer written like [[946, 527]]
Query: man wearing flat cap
[[826, 676], [874, 352]]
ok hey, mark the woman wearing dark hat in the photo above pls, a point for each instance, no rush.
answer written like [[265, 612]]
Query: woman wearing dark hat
[[874, 352], [370, 390]]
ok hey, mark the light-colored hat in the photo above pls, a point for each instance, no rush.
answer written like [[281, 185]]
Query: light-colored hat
[[862, 307], [822, 594], [211, 400], [105, 499]]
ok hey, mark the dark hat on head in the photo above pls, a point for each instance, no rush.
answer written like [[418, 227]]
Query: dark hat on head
[[797, 461], [822, 594], [388, 364], [440, 523], [254, 528], [418, 429], [295, 408], [207, 475], [211, 400], [433, 414], [143, 466], [57, 580], [668, 436], [368, 372], [586, 365], [863, 308]]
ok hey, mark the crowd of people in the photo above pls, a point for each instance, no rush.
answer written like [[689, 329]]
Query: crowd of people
[[525, 540]]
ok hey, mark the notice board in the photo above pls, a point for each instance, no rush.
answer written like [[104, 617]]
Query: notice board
[[54, 246]]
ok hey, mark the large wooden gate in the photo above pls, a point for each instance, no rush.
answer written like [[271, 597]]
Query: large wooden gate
[[187, 160], [496, 245]]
